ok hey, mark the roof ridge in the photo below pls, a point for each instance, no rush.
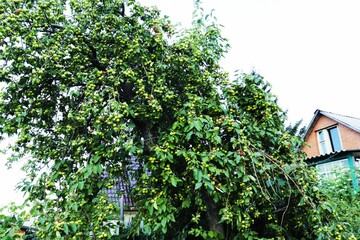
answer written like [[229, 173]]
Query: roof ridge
[[342, 115]]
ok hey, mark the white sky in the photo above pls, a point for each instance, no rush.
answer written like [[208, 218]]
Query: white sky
[[309, 50], [8, 180]]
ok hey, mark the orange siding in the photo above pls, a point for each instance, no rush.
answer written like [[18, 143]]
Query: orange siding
[[350, 139]]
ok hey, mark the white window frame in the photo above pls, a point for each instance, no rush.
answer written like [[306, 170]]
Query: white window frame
[[325, 145], [328, 170]]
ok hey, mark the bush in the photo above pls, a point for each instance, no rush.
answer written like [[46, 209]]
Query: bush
[[340, 207]]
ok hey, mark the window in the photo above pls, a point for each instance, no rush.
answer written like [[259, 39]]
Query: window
[[329, 140], [357, 163], [328, 170], [322, 143], [335, 139]]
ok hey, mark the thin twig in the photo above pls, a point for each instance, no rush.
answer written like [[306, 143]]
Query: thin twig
[[261, 189], [285, 174], [286, 207]]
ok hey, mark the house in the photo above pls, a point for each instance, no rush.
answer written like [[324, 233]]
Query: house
[[120, 192], [333, 142]]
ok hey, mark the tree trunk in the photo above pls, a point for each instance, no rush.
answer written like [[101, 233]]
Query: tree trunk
[[213, 217]]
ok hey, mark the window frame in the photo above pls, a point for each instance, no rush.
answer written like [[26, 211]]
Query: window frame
[[332, 139], [327, 141], [328, 170]]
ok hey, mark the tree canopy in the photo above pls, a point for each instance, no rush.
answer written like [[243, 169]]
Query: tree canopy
[[90, 86]]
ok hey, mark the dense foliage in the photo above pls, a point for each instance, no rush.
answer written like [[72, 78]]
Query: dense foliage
[[90, 87], [343, 201]]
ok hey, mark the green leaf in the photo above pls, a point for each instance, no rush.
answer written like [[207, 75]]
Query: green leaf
[[209, 185], [246, 178], [87, 171], [164, 229], [75, 206], [237, 158], [171, 217], [287, 169], [163, 222], [66, 229], [147, 229], [73, 227], [204, 158], [81, 185], [151, 210], [217, 139], [255, 160], [281, 182], [72, 187], [163, 207], [97, 168], [174, 181], [211, 234], [198, 185], [197, 174], [95, 158], [188, 135], [186, 203], [198, 125]]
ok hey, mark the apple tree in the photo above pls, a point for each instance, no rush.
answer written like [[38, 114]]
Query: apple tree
[[93, 87]]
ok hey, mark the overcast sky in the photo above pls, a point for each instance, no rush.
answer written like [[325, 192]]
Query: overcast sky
[[309, 51]]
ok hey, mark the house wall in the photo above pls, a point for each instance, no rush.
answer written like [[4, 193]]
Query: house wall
[[350, 139]]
